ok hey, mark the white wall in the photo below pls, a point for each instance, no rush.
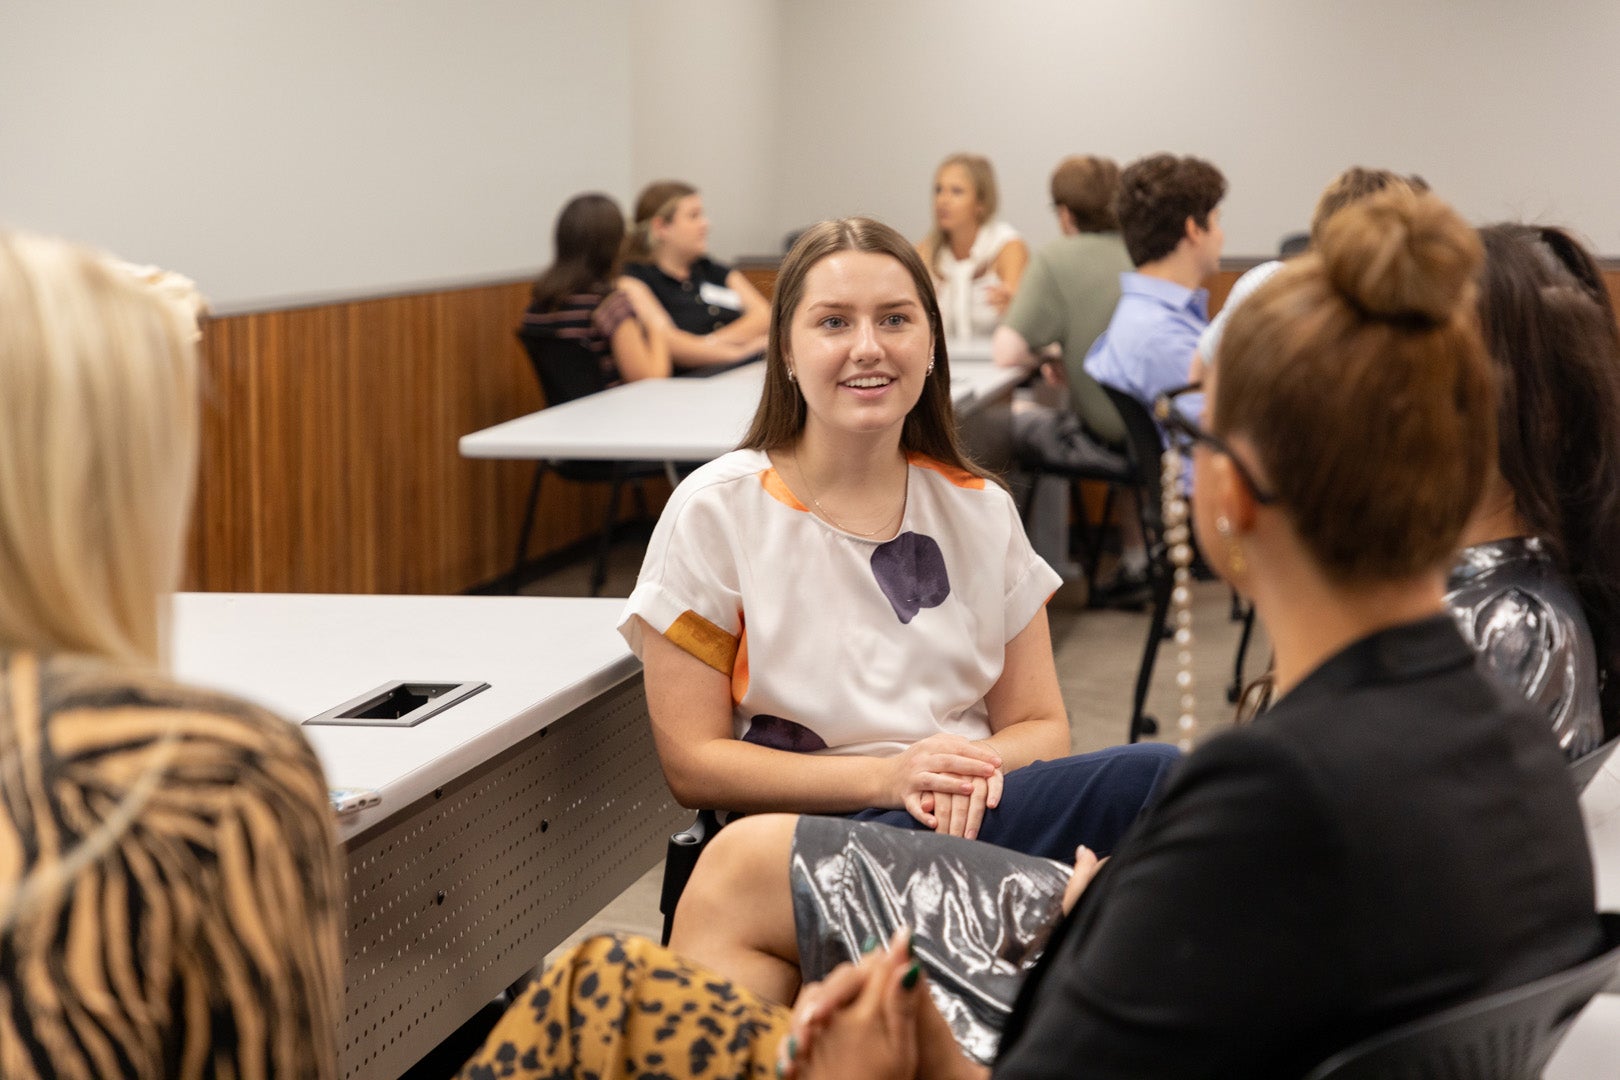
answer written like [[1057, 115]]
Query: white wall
[[1504, 107], [279, 149], [704, 110]]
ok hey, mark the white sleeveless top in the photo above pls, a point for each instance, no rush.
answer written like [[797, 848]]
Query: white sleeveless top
[[964, 291]]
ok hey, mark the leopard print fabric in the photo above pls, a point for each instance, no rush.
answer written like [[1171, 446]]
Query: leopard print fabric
[[623, 1008]]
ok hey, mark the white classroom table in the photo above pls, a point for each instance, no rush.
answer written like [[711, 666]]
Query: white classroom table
[[506, 820], [1591, 1050], [690, 419]]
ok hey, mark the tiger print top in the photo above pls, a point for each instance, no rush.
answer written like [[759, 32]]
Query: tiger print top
[[169, 901]]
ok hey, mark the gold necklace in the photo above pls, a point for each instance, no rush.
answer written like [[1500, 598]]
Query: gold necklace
[[905, 493]]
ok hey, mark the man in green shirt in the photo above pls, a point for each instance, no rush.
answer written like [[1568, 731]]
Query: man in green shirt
[[1066, 298]]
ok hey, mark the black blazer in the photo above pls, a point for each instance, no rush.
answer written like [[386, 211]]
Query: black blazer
[[1396, 835]]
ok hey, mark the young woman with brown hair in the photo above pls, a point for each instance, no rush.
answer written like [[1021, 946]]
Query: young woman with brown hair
[[844, 615], [711, 314]]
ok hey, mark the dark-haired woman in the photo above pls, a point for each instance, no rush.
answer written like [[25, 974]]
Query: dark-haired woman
[[710, 312], [1537, 589], [575, 299], [1301, 882]]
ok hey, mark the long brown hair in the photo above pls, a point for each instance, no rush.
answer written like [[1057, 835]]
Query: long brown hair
[[1550, 326], [589, 232], [930, 427]]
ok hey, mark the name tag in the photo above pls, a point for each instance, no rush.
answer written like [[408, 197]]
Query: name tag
[[720, 296]]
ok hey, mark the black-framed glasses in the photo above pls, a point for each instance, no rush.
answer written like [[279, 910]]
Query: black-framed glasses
[[1185, 432]]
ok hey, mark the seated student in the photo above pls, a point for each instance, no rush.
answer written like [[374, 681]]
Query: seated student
[[1065, 301], [977, 260], [574, 297], [1301, 882], [1170, 217], [844, 615], [1537, 589], [170, 894], [713, 315]]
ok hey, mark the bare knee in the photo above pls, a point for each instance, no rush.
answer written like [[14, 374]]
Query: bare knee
[[745, 857]]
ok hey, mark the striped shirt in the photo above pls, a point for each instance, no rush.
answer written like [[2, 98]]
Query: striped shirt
[[590, 319], [201, 937]]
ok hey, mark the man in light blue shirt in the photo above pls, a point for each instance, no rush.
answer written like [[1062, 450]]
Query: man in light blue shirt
[[1170, 218]]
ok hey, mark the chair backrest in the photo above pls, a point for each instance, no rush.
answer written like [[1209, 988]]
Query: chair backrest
[[1584, 769], [1144, 448], [1508, 1035], [566, 369]]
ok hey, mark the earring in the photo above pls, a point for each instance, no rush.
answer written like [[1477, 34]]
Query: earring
[[930, 370], [1235, 561], [1178, 539], [791, 376]]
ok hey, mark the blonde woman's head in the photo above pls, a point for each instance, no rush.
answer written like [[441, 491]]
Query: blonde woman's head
[[98, 448]]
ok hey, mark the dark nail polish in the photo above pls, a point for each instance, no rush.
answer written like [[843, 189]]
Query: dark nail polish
[[909, 979], [869, 944], [792, 1047]]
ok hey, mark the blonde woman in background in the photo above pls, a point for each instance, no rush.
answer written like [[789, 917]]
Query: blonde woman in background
[[977, 260], [714, 315], [168, 881]]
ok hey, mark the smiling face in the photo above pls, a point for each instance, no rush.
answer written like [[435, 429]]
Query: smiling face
[[685, 236], [957, 205], [859, 343]]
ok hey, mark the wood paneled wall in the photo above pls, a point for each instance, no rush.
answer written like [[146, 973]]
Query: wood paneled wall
[[329, 460]]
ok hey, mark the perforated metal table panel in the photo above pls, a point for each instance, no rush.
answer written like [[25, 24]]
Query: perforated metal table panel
[[504, 821], [455, 897]]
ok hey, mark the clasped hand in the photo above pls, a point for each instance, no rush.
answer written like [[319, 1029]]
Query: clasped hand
[[948, 782], [872, 1019]]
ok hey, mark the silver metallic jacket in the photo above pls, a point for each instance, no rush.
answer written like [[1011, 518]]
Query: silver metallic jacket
[[1524, 620]]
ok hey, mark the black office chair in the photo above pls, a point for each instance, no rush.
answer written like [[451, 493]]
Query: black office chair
[[1508, 1035], [1584, 769], [1103, 465], [568, 370], [681, 857], [1145, 451]]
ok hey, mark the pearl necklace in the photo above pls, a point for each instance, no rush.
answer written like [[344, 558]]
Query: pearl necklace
[[905, 493], [1178, 538]]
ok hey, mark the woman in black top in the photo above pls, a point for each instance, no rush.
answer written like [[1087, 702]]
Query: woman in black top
[[1395, 836], [1537, 589], [714, 315]]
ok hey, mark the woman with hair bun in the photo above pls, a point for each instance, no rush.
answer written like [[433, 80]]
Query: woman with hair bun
[[710, 313], [1537, 589], [1301, 882]]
